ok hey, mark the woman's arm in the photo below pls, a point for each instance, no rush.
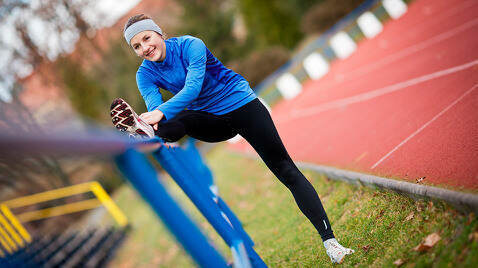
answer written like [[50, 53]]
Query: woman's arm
[[152, 97], [195, 54], [149, 91]]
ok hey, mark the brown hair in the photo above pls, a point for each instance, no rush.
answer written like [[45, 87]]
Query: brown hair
[[135, 19]]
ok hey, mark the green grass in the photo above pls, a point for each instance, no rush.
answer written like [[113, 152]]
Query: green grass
[[370, 221]]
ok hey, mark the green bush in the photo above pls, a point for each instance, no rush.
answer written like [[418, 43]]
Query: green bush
[[116, 72], [85, 93], [212, 22], [275, 22], [92, 88], [270, 23], [324, 15], [259, 64]]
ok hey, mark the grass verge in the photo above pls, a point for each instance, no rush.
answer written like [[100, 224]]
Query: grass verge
[[381, 226]]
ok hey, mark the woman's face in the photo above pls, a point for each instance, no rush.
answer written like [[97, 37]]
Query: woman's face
[[149, 45]]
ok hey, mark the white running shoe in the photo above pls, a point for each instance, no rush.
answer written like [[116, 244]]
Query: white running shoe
[[336, 251], [125, 119]]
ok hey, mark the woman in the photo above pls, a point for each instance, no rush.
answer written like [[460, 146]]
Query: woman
[[220, 104]]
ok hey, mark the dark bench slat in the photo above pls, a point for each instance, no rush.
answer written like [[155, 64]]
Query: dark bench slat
[[106, 250]]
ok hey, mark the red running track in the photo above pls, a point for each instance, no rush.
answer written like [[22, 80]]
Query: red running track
[[403, 106]]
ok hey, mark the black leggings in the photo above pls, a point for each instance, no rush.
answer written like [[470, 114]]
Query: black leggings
[[254, 123]]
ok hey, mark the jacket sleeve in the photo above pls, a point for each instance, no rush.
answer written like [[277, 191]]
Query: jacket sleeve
[[195, 56], [149, 91]]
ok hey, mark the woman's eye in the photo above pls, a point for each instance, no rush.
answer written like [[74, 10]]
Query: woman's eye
[[146, 38], [136, 47]]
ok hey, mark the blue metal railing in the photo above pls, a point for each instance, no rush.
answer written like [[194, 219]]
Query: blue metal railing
[[178, 164], [144, 179], [185, 166]]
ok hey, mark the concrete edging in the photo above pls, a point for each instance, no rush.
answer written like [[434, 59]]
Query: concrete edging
[[462, 201]]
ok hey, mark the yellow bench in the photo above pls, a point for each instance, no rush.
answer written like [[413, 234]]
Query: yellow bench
[[13, 234]]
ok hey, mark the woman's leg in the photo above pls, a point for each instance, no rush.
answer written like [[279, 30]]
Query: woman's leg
[[197, 124], [253, 122]]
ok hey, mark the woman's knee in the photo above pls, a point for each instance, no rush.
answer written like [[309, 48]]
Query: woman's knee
[[287, 172], [171, 131]]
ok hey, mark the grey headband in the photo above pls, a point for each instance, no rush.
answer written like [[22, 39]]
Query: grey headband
[[140, 26]]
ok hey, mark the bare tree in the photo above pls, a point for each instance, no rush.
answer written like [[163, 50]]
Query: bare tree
[[21, 172], [27, 50]]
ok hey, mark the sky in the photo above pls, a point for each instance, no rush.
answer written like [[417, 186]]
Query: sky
[[102, 13]]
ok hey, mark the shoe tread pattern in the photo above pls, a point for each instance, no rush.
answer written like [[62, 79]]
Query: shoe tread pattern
[[123, 118]]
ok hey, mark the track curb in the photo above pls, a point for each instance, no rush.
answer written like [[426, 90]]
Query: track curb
[[463, 201]]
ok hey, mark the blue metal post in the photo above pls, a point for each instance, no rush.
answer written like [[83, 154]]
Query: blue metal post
[[193, 164], [176, 162], [144, 178], [194, 156], [235, 221], [196, 192]]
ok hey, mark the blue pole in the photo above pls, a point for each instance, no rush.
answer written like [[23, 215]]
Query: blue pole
[[175, 162], [143, 177], [195, 191], [194, 156], [235, 221], [193, 164]]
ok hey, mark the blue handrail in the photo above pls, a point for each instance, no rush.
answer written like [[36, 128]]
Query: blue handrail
[[144, 179], [185, 166]]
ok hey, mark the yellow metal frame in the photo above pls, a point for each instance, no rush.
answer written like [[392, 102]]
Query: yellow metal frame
[[12, 233]]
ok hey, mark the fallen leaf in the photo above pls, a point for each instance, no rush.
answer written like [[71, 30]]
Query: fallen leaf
[[391, 224], [464, 253], [419, 206], [380, 214], [367, 248], [473, 236], [471, 217], [420, 248], [399, 262], [430, 205], [432, 239], [428, 242], [409, 217], [419, 180]]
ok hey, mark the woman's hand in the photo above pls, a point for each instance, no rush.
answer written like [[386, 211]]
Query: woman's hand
[[152, 118]]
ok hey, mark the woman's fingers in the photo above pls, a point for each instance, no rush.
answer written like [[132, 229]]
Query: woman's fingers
[[151, 117]]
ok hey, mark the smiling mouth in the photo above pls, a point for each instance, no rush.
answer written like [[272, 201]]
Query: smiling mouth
[[150, 53]]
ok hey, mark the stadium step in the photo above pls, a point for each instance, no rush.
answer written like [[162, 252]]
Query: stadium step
[[88, 248]]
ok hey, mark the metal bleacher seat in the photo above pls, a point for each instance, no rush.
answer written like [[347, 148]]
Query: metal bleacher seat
[[90, 248]]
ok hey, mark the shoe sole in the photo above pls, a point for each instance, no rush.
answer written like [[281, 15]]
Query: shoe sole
[[343, 257], [126, 120]]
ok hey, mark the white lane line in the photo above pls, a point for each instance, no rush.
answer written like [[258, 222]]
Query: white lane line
[[376, 93], [424, 126], [412, 49], [365, 69]]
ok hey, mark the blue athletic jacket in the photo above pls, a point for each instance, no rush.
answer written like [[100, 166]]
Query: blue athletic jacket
[[198, 80]]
